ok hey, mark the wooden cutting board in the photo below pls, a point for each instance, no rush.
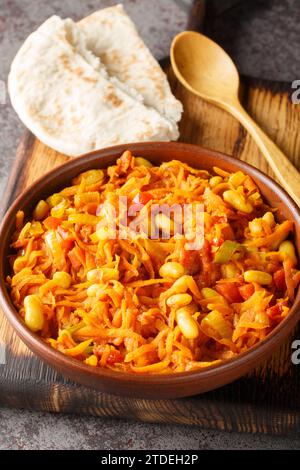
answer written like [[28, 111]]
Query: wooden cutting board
[[267, 400]]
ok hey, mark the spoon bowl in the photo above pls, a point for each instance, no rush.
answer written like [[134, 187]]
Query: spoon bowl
[[204, 68]]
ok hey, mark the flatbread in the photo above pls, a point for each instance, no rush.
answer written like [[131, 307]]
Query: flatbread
[[112, 36], [63, 94]]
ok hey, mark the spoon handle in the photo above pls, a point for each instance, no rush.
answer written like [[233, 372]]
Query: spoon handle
[[284, 170]]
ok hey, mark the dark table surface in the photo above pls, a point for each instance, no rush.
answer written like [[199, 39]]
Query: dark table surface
[[262, 36], [30, 430]]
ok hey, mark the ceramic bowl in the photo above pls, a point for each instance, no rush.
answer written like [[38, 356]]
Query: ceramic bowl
[[146, 386]]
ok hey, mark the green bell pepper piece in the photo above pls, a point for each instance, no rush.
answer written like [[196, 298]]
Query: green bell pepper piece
[[225, 251]]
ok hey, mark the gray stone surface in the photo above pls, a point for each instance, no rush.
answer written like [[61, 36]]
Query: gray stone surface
[[29, 430], [263, 40]]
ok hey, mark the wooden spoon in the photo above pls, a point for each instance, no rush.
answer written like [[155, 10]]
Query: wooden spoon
[[204, 68]]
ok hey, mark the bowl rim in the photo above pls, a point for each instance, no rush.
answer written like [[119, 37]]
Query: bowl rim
[[40, 348]]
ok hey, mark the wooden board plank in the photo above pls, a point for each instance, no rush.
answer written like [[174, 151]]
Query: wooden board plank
[[267, 400]]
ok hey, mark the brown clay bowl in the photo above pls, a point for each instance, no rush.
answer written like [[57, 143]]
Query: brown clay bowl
[[147, 386]]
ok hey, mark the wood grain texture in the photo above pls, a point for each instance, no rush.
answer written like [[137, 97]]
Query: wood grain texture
[[267, 400]]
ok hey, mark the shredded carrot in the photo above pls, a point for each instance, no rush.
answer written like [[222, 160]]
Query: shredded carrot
[[105, 299]]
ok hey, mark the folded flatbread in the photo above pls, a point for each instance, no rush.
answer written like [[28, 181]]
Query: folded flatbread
[[65, 96], [112, 36]]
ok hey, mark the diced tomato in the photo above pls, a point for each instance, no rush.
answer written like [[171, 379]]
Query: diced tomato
[[275, 311], [67, 244], [246, 291], [227, 232], [114, 356], [230, 291], [51, 223], [206, 254], [190, 260], [143, 198], [279, 279]]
